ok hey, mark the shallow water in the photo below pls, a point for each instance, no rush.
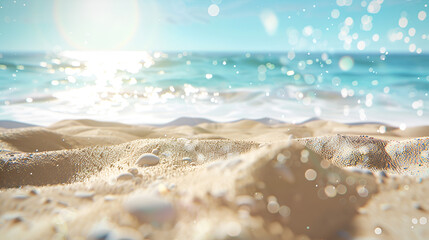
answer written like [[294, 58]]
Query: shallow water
[[141, 87]]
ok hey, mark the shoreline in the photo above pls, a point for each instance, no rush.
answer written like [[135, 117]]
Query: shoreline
[[193, 121]]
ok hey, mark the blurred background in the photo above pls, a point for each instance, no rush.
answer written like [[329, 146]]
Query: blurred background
[[153, 61]]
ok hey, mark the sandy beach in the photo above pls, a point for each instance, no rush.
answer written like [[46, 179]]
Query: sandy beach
[[214, 120], [82, 179]]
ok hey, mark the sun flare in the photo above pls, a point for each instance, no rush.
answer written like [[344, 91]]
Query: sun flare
[[101, 25]]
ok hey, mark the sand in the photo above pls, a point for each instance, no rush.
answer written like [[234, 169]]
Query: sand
[[79, 179]]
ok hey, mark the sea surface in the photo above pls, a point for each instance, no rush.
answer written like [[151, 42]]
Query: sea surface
[[156, 87]]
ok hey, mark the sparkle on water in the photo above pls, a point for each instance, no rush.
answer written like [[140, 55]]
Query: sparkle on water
[[119, 83]]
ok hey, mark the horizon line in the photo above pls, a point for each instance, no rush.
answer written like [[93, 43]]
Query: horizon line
[[219, 51]]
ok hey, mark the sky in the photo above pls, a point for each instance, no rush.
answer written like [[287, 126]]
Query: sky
[[215, 25]]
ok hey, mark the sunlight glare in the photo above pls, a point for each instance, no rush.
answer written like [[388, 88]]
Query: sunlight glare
[[101, 25]]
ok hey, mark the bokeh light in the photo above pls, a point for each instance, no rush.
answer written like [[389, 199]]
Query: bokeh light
[[213, 10], [346, 63]]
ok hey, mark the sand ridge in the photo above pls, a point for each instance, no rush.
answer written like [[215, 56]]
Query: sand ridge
[[407, 156]]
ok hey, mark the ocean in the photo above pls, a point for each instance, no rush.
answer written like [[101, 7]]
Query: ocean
[[157, 87]]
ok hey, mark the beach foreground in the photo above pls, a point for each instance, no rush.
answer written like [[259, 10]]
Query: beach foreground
[[82, 179]]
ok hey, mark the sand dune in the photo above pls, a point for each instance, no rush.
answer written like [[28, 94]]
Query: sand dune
[[242, 180]]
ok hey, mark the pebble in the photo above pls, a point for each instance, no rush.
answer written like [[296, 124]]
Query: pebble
[[213, 165], [219, 194], [34, 192], [124, 234], [84, 195], [45, 200], [98, 234], [162, 189], [230, 230], [150, 208], [187, 159], [62, 203], [362, 171], [31, 190], [155, 151], [13, 217], [232, 163], [245, 200], [385, 206], [171, 186], [125, 176], [99, 231], [382, 174], [362, 210], [133, 171], [418, 206], [21, 196], [147, 159], [138, 180], [109, 198], [165, 154]]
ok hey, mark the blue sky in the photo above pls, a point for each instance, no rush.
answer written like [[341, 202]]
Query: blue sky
[[248, 25]]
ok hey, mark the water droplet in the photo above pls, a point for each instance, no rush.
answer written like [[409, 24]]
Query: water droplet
[[273, 207], [310, 174], [349, 21], [412, 47], [362, 191], [422, 15], [341, 189], [335, 13], [378, 230], [361, 45], [403, 22], [284, 211], [330, 191], [374, 6], [412, 32]]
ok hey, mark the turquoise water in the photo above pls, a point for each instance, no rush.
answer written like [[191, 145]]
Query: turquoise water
[[141, 87]]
